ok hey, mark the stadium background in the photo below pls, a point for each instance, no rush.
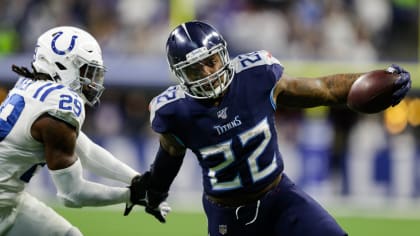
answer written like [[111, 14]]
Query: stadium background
[[354, 164]]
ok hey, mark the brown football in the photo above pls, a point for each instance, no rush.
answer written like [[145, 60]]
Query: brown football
[[372, 92]]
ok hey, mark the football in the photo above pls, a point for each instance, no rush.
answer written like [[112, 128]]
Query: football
[[372, 92]]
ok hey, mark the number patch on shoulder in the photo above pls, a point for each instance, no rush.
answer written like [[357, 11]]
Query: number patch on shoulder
[[70, 103], [172, 94], [253, 59], [10, 111], [249, 59]]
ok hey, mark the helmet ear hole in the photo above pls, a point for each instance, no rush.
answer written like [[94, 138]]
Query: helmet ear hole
[[60, 66]]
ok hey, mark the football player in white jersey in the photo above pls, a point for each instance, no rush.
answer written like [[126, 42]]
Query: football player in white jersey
[[40, 124]]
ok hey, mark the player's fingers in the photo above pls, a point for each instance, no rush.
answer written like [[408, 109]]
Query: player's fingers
[[400, 94], [404, 78], [164, 205], [158, 215], [394, 68], [164, 209], [402, 91], [128, 208], [164, 212]]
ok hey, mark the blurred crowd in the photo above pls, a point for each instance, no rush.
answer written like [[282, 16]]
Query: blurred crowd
[[331, 30], [352, 30]]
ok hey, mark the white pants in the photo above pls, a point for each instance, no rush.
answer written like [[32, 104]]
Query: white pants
[[33, 217]]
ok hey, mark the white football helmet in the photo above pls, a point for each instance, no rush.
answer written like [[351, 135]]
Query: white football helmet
[[73, 57]]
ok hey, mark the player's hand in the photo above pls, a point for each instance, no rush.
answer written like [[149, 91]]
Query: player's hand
[[156, 204], [402, 84], [153, 201], [159, 212], [138, 189]]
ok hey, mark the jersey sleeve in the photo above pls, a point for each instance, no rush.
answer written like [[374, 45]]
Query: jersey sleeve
[[67, 106], [260, 60], [163, 109], [261, 71], [274, 67], [158, 121], [67, 117]]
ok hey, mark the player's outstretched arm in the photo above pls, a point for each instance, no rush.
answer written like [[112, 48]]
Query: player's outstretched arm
[[311, 92], [329, 90], [74, 191], [101, 162], [165, 167], [59, 140], [158, 180]]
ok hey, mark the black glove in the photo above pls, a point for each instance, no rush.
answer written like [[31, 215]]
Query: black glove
[[138, 187], [402, 84], [139, 195], [159, 212], [156, 205]]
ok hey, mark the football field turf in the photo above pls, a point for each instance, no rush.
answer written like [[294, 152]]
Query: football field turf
[[105, 222]]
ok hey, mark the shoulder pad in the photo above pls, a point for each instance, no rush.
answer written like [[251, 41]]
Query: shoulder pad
[[61, 103], [171, 94], [67, 117], [253, 59]]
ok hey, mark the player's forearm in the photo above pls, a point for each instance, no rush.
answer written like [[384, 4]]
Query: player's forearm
[[101, 162], [338, 86], [164, 170], [74, 191], [311, 92]]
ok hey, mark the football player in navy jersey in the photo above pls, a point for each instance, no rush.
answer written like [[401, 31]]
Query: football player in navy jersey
[[223, 111], [40, 125]]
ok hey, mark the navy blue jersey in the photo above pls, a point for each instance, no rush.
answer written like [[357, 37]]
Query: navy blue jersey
[[235, 142]]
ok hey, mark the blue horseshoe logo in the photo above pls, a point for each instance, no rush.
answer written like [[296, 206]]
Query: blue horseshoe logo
[[63, 52]]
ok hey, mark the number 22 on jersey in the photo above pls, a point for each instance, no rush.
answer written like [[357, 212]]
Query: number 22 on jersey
[[225, 148]]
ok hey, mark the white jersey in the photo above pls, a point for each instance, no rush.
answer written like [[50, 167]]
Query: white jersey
[[20, 154]]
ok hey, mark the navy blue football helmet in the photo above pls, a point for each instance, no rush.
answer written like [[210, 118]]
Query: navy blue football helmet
[[191, 43]]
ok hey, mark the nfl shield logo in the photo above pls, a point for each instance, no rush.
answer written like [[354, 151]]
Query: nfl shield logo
[[222, 229], [222, 114]]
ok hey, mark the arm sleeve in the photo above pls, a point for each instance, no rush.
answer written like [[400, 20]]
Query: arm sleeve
[[74, 191], [102, 162], [164, 170]]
